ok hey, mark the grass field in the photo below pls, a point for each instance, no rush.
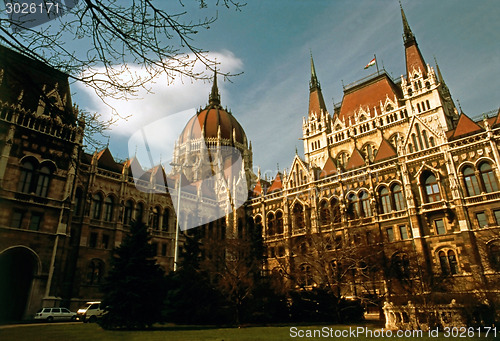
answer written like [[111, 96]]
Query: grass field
[[91, 332]]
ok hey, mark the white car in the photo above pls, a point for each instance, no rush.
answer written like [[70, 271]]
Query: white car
[[55, 314]]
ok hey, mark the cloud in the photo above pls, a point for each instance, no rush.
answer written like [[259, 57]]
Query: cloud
[[164, 99]]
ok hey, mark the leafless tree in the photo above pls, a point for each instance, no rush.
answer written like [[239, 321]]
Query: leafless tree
[[114, 36]]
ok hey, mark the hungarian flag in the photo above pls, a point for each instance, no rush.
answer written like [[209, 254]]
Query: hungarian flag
[[372, 62]]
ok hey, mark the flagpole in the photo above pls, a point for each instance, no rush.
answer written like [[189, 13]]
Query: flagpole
[[376, 63]]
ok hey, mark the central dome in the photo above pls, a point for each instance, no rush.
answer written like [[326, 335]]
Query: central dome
[[212, 119], [209, 121]]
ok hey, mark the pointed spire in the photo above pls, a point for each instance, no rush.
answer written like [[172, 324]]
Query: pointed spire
[[214, 98], [440, 76], [314, 83], [407, 33]]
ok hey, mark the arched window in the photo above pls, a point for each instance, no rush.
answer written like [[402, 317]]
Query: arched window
[[78, 202], [452, 260], [385, 200], [365, 204], [42, 184], [342, 159], [335, 209], [166, 217], [96, 206], [26, 177], [353, 207], [298, 216], [258, 223], [95, 272], [471, 183], [494, 253], [270, 224], [443, 261], [306, 275], [324, 213], [488, 177], [279, 222], [415, 143], [397, 194], [155, 223], [369, 150], [108, 209], [400, 266], [127, 215], [139, 212], [431, 187]]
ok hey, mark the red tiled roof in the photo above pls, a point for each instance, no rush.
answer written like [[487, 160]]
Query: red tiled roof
[[257, 190], [328, 169], [356, 160], [414, 59], [368, 95], [276, 185], [385, 151], [465, 126], [497, 121], [316, 102]]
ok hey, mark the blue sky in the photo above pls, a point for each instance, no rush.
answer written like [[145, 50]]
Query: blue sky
[[270, 42]]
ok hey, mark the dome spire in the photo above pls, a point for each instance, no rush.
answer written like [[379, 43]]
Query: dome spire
[[214, 97]]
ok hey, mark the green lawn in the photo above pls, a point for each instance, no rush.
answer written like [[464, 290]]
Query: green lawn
[[91, 332]]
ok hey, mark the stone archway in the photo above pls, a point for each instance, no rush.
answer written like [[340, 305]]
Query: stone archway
[[18, 266]]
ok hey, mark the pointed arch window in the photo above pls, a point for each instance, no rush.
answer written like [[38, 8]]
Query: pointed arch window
[[365, 204], [385, 200], [306, 275], [431, 187], [258, 222], [42, 185], [494, 253], [452, 260], [324, 213], [127, 215], [279, 222], [156, 218], [335, 209], [108, 209], [139, 212], [471, 183], [397, 194], [95, 272], [354, 210], [488, 177], [270, 224], [96, 206], [26, 177], [166, 219], [78, 201], [298, 216]]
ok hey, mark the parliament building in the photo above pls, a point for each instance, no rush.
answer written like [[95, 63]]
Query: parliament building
[[395, 199]]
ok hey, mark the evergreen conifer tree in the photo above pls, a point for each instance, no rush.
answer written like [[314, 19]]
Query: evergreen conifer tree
[[135, 288]]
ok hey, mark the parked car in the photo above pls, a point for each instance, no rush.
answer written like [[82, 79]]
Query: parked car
[[90, 312], [55, 314]]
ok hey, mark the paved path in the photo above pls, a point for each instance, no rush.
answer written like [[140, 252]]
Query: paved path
[[31, 324]]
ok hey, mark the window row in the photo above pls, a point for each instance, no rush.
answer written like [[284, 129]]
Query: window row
[[105, 241], [24, 219], [35, 178], [420, 140], [480, 180], [104, 208]]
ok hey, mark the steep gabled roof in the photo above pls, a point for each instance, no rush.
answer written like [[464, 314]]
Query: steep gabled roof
[[356, 160], [105, 160], [257, 190], [276, 185], [367, 95], [465, 126], [385, 151], [328, 169]]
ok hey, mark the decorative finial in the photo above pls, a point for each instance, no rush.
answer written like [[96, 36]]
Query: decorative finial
[[214, 98]]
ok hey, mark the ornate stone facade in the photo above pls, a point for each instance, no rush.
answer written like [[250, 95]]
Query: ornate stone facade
[[397, 196]]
